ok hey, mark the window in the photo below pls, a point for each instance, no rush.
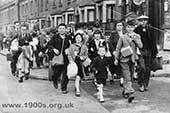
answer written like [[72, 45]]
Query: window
[[26, 8], [58, 20], [90, 15], [46, 4], [31, 6], [60, 3], [41, 5], [70, 18], [35, 7], [53, 23], [22, 10], [54, 3], [111, 14], [82, 18]]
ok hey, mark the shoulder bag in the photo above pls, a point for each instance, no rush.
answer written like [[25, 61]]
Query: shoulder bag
[[59, 60]]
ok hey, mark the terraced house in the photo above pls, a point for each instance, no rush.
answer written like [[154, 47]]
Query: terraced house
[[50, 13]]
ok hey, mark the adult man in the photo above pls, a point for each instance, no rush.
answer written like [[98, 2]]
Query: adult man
[[26, 53], [14, 49], [89, 35], [148, 52], [115, 35], [60, 44]]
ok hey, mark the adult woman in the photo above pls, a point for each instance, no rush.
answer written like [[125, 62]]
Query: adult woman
[[78, 52], [114, 40]]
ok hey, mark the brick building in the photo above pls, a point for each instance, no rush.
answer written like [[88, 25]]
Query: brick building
[[50, 13], [8, 15]]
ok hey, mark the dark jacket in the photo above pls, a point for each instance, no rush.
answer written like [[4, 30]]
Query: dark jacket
[[149, 42], [114, 37], [92, 50], [56, 42], [24, 41], [99, 66]]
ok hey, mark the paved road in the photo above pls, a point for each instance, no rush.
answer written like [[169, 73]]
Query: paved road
[[42, 93], [50, 100], [156, 100]]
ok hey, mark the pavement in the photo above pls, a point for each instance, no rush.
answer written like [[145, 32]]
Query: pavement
[[42, 73]]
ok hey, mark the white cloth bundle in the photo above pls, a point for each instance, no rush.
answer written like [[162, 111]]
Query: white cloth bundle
[[14, 45], [72, 69], [34, 43]]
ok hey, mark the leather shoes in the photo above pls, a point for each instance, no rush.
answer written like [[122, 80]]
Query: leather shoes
[[55, 84], [146, 89], [125, 95], [65, 92], [26, 78], [131, 98], [20, 80], [141, 89], [77, 93], [111, 82]]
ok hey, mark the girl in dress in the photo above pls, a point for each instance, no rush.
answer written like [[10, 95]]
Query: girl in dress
[[78, 53]]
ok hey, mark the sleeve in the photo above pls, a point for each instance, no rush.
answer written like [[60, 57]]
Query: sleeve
[[111, 40], [94, 64], [50, 45], [111, 48], [70, 53], [118, 48], [138, 41], [137, 30], [85, 54], [30, 38]]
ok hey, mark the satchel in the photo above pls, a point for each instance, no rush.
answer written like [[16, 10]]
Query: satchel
[[156, 63], [126, 51], [58, 60]]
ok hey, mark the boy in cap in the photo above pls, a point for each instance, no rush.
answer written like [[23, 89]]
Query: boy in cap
[[126, 52]]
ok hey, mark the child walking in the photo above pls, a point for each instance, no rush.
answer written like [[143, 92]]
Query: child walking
[[126, 52], [99, 67]]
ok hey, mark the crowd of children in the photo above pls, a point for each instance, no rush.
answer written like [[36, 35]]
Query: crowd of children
[[117, 54]]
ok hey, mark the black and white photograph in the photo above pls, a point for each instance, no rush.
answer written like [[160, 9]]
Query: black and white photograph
[[84, 56]]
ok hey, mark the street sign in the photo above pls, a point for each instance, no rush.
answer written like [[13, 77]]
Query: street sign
[[167, 39]]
